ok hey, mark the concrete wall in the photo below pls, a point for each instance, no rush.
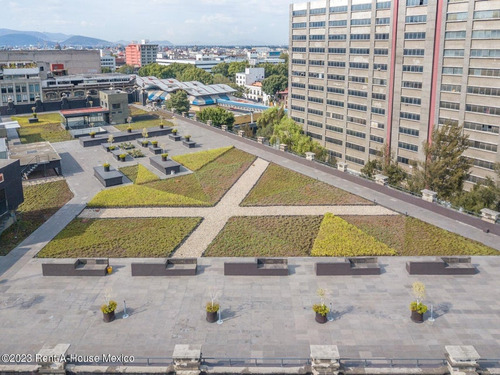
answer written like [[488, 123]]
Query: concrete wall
[[12, 183]]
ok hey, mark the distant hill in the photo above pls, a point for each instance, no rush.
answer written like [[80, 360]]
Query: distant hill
[[57, 37], [23, 40], [85, 41], [162, 42]]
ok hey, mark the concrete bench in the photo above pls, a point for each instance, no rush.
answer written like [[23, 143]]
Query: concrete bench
[[258, 267], [349, 267], [442, 266], [169, 267], [79, 267]]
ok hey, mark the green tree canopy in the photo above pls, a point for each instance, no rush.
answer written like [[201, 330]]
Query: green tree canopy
[[222, 69], [193, 73], [445, 168], [126, 69], [178, 100], [268, 120], [387, 166], [236, 67], [274, 83], [219, 116], [480, 196]]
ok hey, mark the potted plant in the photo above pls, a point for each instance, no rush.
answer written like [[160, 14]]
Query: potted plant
[[129, 129], [108, 311], [187, 138], [106, 167], [111, 148], [144, 133], [155, 143], [144, 143], [174, 131], [164, 157], [92, 134], [212, 307], [109, 269], [111, 139], [161, 122], [122, 157], [417, 308], [320, 308]]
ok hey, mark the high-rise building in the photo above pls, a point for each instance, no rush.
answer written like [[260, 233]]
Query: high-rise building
[[368, 73], [142, 54]]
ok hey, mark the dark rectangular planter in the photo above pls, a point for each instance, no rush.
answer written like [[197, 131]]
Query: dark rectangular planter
[[155, 150], [111, 178], [78, 267], [165, 166], [174, 137], [189, 144], [171, 267]]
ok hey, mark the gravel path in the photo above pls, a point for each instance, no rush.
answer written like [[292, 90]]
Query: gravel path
[[214, 218]]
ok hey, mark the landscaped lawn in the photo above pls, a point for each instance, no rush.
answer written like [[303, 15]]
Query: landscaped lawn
[[205, 187], [143, 119], [266, 236], [196, 160], [40, 202], [413, 237], [282, 186], [139, 174], [48, 128], [120, 238]]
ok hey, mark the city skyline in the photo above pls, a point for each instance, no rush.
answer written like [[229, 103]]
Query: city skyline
[[180, 22]]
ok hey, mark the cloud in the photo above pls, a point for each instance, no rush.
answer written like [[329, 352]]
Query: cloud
[[210, 19]]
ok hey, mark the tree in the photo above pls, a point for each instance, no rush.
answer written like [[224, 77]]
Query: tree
[[285, 56], [274, 83], [178, 100], [196, 74], [220, 79], [105, 69], [219, 116], [126, 69], [385, 165], [236, 67], [222, 69], [268, 120], [444, 169], [280, 69], [480, 196]]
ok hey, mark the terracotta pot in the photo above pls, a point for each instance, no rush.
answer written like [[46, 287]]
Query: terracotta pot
[[212, 317], [417, 317], [321, 318], [109, 317]]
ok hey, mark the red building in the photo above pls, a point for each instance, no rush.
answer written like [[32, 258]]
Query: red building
[[142, 54]]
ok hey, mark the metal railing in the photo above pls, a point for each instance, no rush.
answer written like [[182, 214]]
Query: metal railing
[[255, 362], [393, 362], [489, 362], [137, 361]]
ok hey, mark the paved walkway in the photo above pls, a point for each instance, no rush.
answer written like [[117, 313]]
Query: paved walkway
[[214, 218]]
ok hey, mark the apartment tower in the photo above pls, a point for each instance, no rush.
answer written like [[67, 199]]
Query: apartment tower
[[364, 74]]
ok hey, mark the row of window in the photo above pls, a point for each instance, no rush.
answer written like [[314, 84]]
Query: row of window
[[335, 103], [416, 19], [411, 3], [410, 116], [485, 34], [314, 99], [336, 129], [315, 123], [354, 160], [343, 8], [453, 70], [415, 35], [355, 133], [377, 139], [483, 145], [413, 52], [462, 16], [379, 111], [408, 146], [336, 77], [482, 127], [485, 52], [354, 146], [359, 93], [485, 14], [449, 105], [492, 91], [413, 68], [482, 109], [409, 131], [313, 135], [298, 97], [315, 111], [334, 141], [410, 100], [482, 163], [451, 88]]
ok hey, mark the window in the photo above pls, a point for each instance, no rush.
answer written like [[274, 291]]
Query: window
[[334, 154], [299, 37], [334, 141], [416, 19], [484, 72], [338, 9], [314, 123], [481, 127], [314, 99], [382, 36], [360, 36], [297, 108], [355, 133], [317, 24], [485, 53], [482, 109], [335, 103], [334, 129], [298, 97], [336, 77], [316, 50], [476, 179], [455, 35], [316, 37], [337, 23], [408, 100], [313, 135], [413, 68], [298, 62], [482, 145], [486, 34], [491, 91], [297, 13], [299, 85], [116, 106], [357, 107], [374, 138], [299, 25], [337, 37], [354, 160], [482, 163], [361, 21], [453, 53], [358, 79], [315, 87], [412, 3], [381, 51], [447, 121], [485, 14], [338, 64], [299, 49], [356, 120], [337, 116], [381, 67], [384, 5], [408, 131], [379, 111], [298, 119], [337, 50], [457, 16], [451, 88], [408, 146], [412, 85], [382, 21], [403, 160], [315, 111], [415, 35], [354, 146], [317, 11], [358, 7], [410, 116], [376, 95], [379, 81], [359, 51], [335, 90], [413, 52], [453, 70], [316, 62], [362, 94]]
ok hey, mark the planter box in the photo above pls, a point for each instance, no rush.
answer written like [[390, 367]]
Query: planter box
[[78, 267], [170, 267], [257, 267], [189, 144], [111, 178], [349, 267], [156, 150], [442, 266], [33, 120], [174, 137], [165, 166]]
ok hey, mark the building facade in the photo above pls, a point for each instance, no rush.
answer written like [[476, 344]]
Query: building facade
[[251, 75], [364, 74], [142, 54], [21, 85]]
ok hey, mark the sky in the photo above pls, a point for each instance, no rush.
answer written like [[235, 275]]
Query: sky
[[178, 21]]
